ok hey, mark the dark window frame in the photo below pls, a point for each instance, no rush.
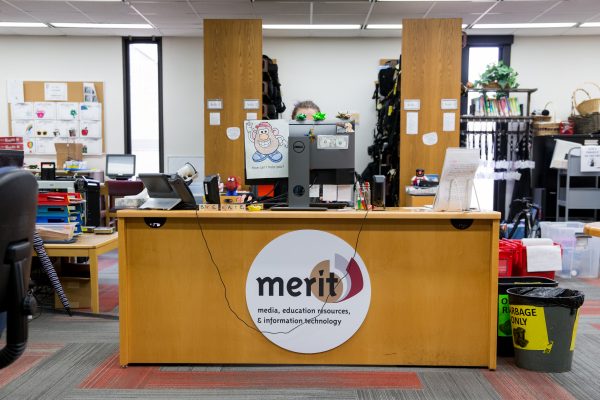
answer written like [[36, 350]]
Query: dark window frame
[[503, 42], [127, 94]]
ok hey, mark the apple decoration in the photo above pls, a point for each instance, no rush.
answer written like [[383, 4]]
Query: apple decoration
[[40, 113], [84, 131]]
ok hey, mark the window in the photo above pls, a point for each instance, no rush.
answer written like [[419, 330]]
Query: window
[[143, 102], [478, 53]]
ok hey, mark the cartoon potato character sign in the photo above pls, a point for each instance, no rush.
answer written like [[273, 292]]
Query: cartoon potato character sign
[[266, 148], [267, 141]]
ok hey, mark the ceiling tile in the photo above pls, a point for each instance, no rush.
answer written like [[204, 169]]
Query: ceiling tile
[[359, 8], [338, 19]]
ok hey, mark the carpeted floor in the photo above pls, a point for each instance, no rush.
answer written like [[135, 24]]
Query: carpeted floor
[[77, 358]]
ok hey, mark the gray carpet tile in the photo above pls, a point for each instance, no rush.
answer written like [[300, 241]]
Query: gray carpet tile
[[464, 384], [583, 381], [59, 374]]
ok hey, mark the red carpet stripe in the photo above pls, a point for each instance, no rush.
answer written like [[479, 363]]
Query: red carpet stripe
[[33, 355], [514, 383], [592, 281], [590, 307], [110, 375]]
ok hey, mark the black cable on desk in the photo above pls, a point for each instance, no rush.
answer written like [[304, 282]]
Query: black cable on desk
[[225, 286]]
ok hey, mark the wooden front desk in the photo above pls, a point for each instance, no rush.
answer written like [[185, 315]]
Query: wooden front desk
[[433, 287]]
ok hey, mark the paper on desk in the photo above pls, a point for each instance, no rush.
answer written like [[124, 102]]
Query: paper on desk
[[456, 183], [329, 193], [543, 258], [344, 193], [314, 191]]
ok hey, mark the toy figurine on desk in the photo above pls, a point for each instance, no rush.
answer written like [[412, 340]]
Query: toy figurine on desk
[[232, 185], [418, 178]]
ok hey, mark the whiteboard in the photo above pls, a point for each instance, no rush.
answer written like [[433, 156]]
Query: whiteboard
[[176, 162]]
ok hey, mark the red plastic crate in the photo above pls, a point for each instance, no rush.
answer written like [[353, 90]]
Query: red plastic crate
[[58, 198]]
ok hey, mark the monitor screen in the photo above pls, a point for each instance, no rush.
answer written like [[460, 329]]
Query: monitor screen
[[120, 166], [158, 186]]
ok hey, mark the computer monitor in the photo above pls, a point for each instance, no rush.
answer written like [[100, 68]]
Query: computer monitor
[[167, 192], [120, 166], [331, 150]]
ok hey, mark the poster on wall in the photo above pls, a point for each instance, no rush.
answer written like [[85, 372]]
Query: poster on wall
[[90, 111], [90, 129], [266, 148], [44, 110], [22, 127], [21, 110], [55, 91], [590, 158], [67, 111], [91, 146]]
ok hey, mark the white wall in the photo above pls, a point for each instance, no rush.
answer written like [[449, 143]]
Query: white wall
[[39, 58], [183, 97], [338, 74], [556, 66]]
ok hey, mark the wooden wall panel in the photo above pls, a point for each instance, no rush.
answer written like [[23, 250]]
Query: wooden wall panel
[[232, 72], [431, 64]]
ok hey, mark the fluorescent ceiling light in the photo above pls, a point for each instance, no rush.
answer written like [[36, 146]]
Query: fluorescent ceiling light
[[384, 26], [590, 25], [102, 26], [310, 26], [525, 26], [429, 1], [22, 25]]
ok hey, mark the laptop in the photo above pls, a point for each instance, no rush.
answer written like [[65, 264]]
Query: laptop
[[162, 195]]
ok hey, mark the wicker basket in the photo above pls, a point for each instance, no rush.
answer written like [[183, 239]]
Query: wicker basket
[[546, 128], [585, 124], [588, 106]]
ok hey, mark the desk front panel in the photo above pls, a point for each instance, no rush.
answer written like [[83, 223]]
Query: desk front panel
[[433, 291]]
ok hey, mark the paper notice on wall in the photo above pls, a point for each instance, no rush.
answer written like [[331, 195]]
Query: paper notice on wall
[[90, 111], [449, 122], [215, 119], [55, 91], [21, 111], [91, 146], [22, 128], [14, 92], [412, 123], [67, 111], [431, 138], [266, 148], [590, 159], [91, 129], [44, 110], [89, 93]]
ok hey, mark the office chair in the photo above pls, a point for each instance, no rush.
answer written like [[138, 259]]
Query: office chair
[[18, 206]]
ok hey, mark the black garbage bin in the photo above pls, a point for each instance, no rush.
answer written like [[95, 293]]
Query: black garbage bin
[[505, 344], [544, 326]]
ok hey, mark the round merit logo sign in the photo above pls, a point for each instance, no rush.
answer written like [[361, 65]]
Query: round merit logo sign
[[306, 292]]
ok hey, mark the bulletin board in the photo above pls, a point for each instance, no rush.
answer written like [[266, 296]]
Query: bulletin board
[[42, 122]]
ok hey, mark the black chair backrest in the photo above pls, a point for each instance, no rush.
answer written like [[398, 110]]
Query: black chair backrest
[[18, 206]]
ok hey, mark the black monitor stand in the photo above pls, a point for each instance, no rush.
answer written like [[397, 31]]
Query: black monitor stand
[[299, 176]]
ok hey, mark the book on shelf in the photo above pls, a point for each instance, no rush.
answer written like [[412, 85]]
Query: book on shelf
[[502, 107]]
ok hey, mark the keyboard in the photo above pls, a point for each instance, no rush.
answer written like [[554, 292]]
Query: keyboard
[[332, 205]]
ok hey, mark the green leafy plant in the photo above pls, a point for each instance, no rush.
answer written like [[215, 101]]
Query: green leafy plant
[[500, 74]]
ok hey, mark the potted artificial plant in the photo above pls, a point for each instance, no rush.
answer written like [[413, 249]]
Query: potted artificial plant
[[498, 76]]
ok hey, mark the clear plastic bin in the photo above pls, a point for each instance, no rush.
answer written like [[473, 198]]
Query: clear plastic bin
[[581, 253]]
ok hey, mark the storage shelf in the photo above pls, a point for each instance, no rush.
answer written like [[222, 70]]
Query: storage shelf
[[475, 90], [499, 118]]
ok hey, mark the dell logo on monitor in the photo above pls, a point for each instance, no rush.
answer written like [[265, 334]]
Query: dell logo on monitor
[[298, 147]]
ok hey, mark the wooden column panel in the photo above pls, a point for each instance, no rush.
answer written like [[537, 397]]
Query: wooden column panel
[[431, 65], [232, 73]]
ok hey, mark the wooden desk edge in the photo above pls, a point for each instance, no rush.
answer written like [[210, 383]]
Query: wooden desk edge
[[592, 229], [400, 213]]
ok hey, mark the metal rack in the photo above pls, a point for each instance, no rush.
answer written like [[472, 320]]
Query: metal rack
[[505, 143]]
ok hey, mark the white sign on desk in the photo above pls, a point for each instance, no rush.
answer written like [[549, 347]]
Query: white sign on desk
[[318, 301]]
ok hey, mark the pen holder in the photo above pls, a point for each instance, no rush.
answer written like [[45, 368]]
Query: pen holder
[[363, 197]]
